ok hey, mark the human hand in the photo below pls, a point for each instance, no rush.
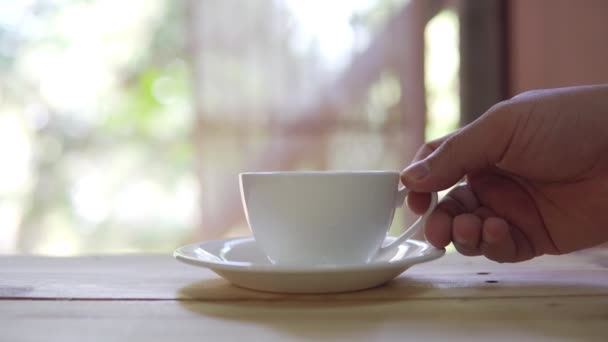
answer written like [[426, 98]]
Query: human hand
[[536, 170]]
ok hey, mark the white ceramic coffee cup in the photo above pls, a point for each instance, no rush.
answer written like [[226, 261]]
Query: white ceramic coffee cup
[[324, 217]]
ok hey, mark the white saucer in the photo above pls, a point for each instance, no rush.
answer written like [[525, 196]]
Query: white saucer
[[241, 262]]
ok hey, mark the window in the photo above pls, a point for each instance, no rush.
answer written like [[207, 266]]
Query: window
[[124, 125]]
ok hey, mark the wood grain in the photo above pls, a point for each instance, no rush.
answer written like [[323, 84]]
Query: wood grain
[[543, 319], [155, 298], [162, 278]]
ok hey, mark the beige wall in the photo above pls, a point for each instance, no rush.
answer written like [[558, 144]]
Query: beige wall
[[555, 43]]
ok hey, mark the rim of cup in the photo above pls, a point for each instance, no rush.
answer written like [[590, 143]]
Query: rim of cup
[[317, 172]]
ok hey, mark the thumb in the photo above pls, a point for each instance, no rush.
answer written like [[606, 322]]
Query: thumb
[[474, 147]]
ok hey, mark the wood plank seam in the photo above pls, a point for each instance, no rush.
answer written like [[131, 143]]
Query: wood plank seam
[[299, 299]]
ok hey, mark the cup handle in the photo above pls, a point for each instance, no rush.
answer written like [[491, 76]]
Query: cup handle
[[409, 232]]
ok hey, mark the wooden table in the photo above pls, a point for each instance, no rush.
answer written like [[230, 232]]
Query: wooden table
[[155, 298]]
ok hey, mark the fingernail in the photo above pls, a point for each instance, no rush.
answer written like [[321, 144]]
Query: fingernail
[[490, 238], [416, 172], [460, 241]]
